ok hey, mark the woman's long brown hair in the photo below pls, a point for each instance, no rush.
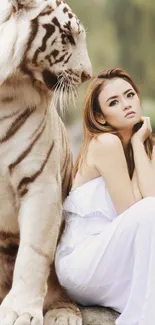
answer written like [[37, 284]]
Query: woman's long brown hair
[[93, 126]]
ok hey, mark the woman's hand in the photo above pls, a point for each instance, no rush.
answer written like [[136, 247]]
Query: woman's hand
[[145, 130]]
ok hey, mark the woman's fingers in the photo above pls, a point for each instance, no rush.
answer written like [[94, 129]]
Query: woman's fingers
[[147, 123], [145, 130], [150, 126]]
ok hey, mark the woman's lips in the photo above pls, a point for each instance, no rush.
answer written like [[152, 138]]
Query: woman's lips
[[130, 114]]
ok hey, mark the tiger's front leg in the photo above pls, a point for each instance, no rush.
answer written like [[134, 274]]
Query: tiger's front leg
[[39, 223], [59, 308]]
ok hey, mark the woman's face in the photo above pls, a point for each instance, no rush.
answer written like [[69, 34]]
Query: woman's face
[[120, 104]]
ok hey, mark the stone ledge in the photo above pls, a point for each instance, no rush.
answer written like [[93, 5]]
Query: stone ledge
[[98, 316]]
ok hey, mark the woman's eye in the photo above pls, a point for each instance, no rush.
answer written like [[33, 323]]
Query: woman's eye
[[114, 102], [131, 94]]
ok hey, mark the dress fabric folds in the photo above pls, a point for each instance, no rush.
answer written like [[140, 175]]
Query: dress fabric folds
[[108, 259]]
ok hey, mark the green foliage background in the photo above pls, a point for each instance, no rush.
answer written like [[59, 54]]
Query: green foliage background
[[119, 33]]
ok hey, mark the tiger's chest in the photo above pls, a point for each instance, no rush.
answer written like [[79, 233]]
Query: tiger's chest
[[33, 149], [8, 206], [29, 156]]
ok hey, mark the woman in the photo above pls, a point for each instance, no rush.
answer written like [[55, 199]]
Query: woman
[[106, 255]]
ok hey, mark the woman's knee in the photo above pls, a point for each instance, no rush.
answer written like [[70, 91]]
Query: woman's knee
[[142, 213], [149, 200], [149, 205], [147, 213]]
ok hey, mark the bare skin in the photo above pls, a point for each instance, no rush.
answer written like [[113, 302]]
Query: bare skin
[[105, 156]]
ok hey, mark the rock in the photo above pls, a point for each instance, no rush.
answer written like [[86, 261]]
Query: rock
[[98, 316]]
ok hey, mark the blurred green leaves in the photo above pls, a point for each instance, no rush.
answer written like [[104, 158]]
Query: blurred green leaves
[[120, 33]]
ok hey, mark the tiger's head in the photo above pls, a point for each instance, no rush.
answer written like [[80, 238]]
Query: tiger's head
[[43, 39]]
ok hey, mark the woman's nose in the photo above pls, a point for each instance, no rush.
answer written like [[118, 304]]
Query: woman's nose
[[125, 104]]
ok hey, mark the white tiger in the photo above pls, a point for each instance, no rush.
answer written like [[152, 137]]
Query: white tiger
[[42, 50]]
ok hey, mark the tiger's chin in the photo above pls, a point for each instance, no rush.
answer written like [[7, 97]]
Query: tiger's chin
[[61, 81], [50, 79]]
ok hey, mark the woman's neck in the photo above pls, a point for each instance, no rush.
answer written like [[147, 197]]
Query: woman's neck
[[126, 137]]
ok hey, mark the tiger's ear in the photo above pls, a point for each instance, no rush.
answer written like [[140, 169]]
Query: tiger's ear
[[14, 4], [20, 4]]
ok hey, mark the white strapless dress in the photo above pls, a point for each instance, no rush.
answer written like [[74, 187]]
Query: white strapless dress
[[108, 259]]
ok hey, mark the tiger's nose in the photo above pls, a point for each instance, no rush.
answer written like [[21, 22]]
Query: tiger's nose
[[85, 76]]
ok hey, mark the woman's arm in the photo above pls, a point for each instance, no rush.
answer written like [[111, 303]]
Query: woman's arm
[[145, 168], [135, 187], [109, 159]]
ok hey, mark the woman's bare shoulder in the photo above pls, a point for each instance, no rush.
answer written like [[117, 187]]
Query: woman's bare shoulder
[[106, 141]]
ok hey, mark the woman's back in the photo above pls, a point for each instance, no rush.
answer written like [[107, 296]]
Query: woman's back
[[88, 170], [105, 157]]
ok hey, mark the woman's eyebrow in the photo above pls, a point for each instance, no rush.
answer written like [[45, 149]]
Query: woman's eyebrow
[[113, 97]]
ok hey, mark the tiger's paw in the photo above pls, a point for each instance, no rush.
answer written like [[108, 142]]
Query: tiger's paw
[[62, 316], [10, 317]]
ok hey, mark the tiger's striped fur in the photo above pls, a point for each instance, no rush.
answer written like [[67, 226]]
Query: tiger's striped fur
[[42, 52]]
